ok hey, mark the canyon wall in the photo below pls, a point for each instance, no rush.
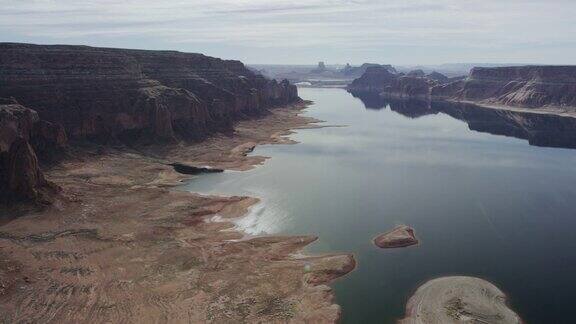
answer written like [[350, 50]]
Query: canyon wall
[[102, 93], [518, 86], [22, 135], [60, 92]]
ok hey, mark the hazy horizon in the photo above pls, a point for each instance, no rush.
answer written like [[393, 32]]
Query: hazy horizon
[[421, 32]]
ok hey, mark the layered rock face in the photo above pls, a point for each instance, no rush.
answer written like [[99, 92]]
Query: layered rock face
[[102, 93], [22, 133], [519, 86]]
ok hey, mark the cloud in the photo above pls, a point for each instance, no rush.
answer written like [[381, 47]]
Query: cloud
[[523, 29]]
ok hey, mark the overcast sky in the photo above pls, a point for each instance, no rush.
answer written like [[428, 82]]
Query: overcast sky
[[304, 32]]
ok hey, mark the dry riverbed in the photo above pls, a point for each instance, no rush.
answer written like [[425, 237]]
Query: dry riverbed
[[122, 245]]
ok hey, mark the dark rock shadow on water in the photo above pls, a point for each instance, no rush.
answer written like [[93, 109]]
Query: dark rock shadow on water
[[545, 130], [371, 100]]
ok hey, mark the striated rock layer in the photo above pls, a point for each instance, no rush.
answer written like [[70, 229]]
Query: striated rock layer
[[103, 93], [518, 86], [22, 134]]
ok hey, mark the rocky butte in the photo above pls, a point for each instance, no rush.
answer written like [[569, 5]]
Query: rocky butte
[[110, 95], [395, 85]]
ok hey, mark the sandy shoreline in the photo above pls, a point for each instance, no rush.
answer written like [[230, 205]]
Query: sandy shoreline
[[122, 245]]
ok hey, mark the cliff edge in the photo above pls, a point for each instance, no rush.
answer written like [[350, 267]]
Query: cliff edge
[[116, 95], [518, 86]]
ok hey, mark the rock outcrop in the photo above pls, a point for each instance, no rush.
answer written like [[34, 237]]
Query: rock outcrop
[[517, 86], [104, 94], [390, 84], [400, 236], [22, 134]]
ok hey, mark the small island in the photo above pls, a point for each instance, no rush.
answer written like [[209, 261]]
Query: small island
[[459, 299], [400, 236]]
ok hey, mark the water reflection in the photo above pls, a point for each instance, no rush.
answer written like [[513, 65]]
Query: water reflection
[[482, 205], [539, 129]]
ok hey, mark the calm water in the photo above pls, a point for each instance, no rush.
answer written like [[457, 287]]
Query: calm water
[[482, 205]]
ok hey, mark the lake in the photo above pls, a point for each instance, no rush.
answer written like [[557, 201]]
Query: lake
[[482, 205]]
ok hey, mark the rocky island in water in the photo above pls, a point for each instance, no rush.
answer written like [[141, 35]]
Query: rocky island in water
[[400, 236]]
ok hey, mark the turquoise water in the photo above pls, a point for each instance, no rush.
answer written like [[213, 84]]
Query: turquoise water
[[482, 205]]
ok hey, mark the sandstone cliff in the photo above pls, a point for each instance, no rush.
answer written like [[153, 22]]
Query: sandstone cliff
[[518, 86], [22, 133], [103, 94], [111, 95]]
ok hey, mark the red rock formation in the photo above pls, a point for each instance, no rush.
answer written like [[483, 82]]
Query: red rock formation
[[20, 176]]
